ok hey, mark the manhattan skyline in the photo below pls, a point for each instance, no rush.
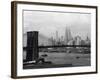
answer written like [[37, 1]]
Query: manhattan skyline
[[47, 23]]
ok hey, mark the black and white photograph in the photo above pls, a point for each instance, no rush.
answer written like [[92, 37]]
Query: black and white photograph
[[53, 39], [56, 38]]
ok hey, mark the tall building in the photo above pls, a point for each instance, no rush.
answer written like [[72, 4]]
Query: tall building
[[87, 41], [57, 36], [77, 40], [68, 35]]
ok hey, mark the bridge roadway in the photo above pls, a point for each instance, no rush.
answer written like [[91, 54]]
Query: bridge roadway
[[50, 46]]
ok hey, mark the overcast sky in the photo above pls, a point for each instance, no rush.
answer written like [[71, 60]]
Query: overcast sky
[[47, 23]]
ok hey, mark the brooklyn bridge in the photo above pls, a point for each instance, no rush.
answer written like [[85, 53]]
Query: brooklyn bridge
[[54, 53]]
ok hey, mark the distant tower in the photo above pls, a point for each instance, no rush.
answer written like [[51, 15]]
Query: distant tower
[[78, 40], [87, 41], [68, 35], [57, 35], [57, 38]]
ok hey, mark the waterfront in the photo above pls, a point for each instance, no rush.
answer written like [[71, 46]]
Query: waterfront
[[61, 59], [76, 59]]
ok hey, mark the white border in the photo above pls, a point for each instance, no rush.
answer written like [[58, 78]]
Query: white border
[[31, 72]]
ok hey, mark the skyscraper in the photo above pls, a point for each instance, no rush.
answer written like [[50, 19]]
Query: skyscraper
[[57, 36], [68, 35], [77, 40]]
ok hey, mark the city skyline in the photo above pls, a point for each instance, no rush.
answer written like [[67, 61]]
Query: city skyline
[[66, 39], [67, 36], [47, 23]]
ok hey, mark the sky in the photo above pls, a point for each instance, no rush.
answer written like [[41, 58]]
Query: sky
[[47, 23]]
